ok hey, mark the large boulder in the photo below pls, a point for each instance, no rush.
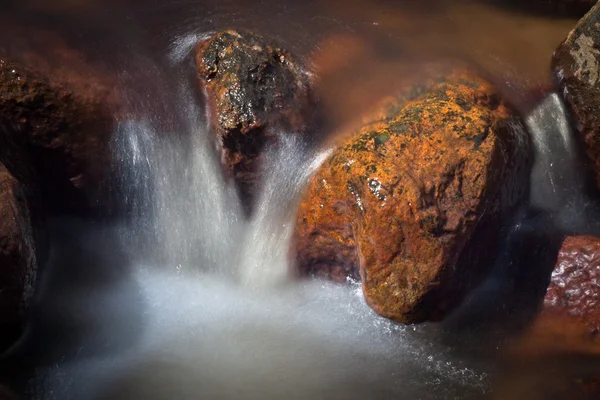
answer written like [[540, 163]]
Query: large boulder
[[56, 133], [576, 66], [17, 258], [414, 200], [256, 91]]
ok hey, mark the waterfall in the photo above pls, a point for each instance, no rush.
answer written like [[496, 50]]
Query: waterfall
[[556, 177], [195, 217]]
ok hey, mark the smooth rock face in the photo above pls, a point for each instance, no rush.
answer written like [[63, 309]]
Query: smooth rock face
[[576, 66], [574, 288], [255, 91], [17, 258], [55, 136], [415, 199]]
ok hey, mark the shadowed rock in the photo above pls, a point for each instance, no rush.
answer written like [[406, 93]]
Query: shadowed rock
[[17, 258], [56, 135], [576, 66]]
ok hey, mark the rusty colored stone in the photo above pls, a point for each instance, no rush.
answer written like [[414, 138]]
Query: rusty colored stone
[[576, 66], [57, 134], [574, 288], [255, 91], [415, 199], [17, 258]]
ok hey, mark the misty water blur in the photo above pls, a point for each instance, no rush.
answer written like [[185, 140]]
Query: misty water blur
[[165, 303], [219, 319]]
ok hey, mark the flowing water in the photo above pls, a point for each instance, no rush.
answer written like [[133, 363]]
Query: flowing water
[[184, 298]]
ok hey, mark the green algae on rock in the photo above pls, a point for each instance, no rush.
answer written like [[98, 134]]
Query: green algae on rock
[[415, 199]]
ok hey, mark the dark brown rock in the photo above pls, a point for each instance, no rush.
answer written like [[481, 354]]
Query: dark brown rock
[[574, 288], [576, 65], [255, 91], [415, 199], [57, 133], [17, 258], [556, 357]]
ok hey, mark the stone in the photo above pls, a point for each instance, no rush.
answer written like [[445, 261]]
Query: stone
[[255, 91], [17, 258], [57, 134], [414, 200], [576, 66], [556, 355], [574, 288]]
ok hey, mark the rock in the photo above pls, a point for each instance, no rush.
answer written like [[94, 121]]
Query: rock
[[17, 258], [56, 133], [574, 289], [557, 355], [255, 91], [576, 66], [415, 199]]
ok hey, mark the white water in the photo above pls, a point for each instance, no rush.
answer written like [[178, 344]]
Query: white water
[[218, 317], [556, 176]]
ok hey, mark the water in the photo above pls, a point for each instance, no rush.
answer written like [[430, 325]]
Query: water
[[220, 317], [186, 298], [202, 297], [556, 176]]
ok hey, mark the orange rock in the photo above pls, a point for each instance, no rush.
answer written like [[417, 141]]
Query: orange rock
[[407, 196]]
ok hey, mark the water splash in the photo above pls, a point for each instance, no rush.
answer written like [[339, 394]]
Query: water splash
[[194, 214], [194, 257]]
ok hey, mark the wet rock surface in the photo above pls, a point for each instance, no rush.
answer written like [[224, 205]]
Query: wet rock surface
[[255, 92], [574, 288], [576, 66], [17, 258], [415, 198], [55, 134]]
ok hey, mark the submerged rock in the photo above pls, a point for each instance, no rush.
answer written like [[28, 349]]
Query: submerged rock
[[17, 258], [255, 92], [576, 65], [57, 135], [415, 199]]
